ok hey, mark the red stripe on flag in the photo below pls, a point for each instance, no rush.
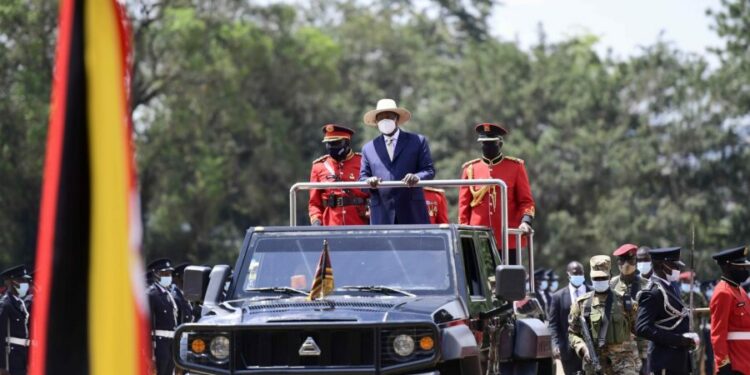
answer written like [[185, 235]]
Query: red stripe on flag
[[50, 188]]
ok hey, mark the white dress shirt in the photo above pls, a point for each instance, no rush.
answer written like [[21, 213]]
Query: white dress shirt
[[390, 143], [576, 292]]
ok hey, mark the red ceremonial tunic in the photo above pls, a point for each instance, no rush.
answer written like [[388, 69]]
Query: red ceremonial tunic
[[437, 205], [730, 312], [480, 205], [337, 206]]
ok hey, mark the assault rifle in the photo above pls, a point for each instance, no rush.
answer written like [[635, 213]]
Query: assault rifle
[[590, 345]]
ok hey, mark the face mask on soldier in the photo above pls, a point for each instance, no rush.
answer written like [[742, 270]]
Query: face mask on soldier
[[627, 268], [491, 149], [644, 267], [338, 149], [739, 275], [600, 286], [685, 287]]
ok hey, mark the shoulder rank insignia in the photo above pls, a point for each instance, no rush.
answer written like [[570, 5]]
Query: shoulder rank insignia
[[517, 160], [470, 162], [320, 159]]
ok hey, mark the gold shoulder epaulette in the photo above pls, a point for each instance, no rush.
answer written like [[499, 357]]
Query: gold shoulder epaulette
[[320, 159], [517, 160], [430, 188], [470, 162]]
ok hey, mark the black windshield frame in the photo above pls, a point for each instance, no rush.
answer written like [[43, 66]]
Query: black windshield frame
[[314, 239]]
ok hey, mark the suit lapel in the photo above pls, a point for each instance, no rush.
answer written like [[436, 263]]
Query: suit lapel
[[403, 139], [379, 144]]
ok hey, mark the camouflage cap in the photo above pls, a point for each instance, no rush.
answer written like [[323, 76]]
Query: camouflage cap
[[600, 266]]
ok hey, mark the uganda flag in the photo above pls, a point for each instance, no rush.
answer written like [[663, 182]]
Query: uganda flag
[[89, 313], [323, 281]]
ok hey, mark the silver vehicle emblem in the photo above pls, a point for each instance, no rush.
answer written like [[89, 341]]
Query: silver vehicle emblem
[[309, 348]]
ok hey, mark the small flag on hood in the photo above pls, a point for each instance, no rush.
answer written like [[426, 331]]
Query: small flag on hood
[[323, 281]]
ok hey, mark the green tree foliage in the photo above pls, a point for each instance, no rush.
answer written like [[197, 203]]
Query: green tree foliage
[[229, 98]]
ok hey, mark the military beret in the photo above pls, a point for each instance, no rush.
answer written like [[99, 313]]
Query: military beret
[[600, 266], [667, 254], [16, 272], [160, 265], [334, 132], [490, 131], [736, 256], [625, 249]]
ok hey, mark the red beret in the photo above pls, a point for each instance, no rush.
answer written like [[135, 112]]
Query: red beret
[[624, 249], [685, 276]]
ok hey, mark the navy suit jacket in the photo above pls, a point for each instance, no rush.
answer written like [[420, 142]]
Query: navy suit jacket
[[399, 205]]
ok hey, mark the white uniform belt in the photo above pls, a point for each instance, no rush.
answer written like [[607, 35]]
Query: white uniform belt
[[738, 336], [17, 341], [163, 333]]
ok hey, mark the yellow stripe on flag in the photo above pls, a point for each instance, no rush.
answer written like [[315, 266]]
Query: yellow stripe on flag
[[112, 305]]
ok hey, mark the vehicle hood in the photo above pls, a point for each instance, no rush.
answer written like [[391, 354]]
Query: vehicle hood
[[337, 309]]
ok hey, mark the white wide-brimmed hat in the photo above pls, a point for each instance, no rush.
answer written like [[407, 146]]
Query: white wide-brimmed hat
[[387, 105]]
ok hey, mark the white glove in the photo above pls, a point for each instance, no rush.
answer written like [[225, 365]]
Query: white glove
[[525, 227]]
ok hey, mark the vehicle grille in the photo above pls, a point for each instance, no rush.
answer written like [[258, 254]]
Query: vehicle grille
[[351, 347]]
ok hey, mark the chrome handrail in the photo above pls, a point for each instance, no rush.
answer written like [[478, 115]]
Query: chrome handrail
[[399, 184]]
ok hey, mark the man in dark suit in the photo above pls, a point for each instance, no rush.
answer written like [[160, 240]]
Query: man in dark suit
[[540, 288], [559, 310], [395, 155], [663, 318]]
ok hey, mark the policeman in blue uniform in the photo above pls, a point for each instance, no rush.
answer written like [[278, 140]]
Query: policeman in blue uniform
[[14, 320], [663, 318], [164, 314], [184, 309]]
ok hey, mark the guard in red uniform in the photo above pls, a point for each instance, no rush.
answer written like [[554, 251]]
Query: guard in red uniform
[[337, 206], [730, 314], [437, 205], [480, 205]]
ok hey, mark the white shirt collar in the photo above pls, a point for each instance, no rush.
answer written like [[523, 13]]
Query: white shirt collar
[[394, 136], [581, 290]]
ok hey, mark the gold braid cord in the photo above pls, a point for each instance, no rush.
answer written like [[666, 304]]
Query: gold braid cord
[[478, 193]]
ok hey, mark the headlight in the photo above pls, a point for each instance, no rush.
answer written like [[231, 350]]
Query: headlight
[[403, 345], [220, 347]]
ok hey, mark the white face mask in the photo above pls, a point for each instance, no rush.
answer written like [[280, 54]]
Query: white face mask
[[386, 126], [709, 293], [22, 289], [165, 281], [673, 276], [543, 285], [644, 267], [554, 286], [685, 287], [600, 285]]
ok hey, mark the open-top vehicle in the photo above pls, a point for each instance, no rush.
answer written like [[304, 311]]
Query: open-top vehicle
[[408, 299]]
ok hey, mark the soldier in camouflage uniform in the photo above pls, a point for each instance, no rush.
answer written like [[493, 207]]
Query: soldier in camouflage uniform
[[610, 318], [631, 282]]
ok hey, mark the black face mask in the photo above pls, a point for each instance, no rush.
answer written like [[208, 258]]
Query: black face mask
[[491, 149], [739, 275], [338, 150]]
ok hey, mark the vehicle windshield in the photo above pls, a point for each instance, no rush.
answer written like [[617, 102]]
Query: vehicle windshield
[[414, 261]]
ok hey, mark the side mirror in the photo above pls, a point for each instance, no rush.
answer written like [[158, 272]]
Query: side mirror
[[195, 283], [510, 282], [215, 291]]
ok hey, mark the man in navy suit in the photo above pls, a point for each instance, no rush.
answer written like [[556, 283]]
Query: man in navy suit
[[395, 155], [559, 310]]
